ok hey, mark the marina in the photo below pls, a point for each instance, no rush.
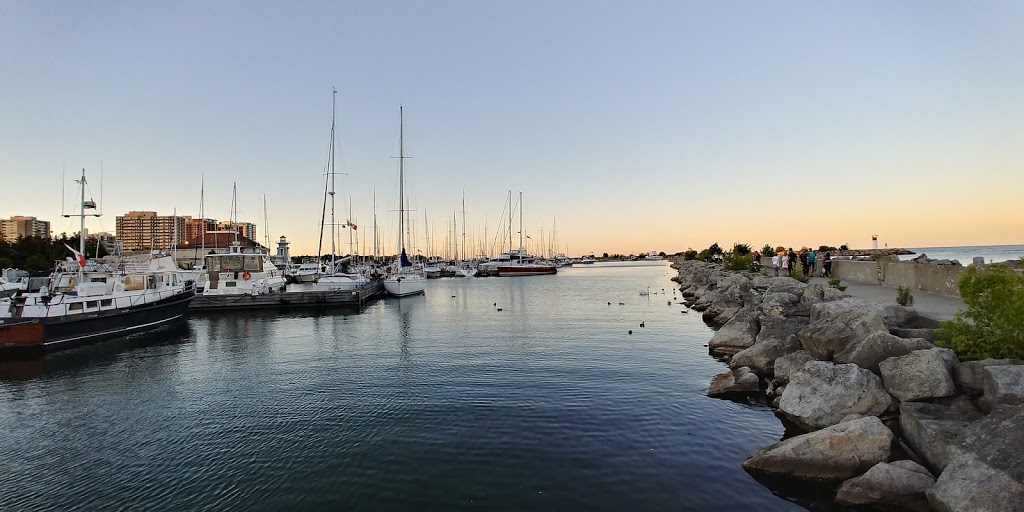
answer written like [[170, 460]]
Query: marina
[[439, 400]]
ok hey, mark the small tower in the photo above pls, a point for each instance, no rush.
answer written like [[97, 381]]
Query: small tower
[[282, 249], [874, 242]]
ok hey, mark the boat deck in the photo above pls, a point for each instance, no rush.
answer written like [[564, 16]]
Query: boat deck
[[357, 299]]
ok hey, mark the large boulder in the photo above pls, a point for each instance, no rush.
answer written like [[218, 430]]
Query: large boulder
[[1003, 385], [776, 339], [985, 471], [920, 375], [895, 315], [822, 394], [929, 429], [832, 294], [778, 303], [786, 365], [737, 334], [831, 454], [969, 376], [877, 347], [836, 324], [736, 383], [900, 485], [813, 294]]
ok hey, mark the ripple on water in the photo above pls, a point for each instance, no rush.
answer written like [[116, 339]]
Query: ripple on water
[[434, 402]]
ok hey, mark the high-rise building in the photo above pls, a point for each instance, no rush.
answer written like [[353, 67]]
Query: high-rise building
[[246, 229], [149, 231], [194, 228], [11, 229]]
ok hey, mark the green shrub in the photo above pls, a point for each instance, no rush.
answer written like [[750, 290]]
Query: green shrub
[[844, 247], [903, 296], [738, 261], [741, 249], [993, 325], [797, 271], [767, 250], [837, 284], [690, 254]]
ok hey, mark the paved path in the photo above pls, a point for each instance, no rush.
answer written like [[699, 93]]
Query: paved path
[[928, 305]]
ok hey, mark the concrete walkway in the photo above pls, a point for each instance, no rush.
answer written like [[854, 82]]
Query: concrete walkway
[[928, 305]]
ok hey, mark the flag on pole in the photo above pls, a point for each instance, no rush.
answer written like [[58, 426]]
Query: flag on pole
[[78, 256]]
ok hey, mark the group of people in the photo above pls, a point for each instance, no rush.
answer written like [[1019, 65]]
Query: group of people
[[783, 262]]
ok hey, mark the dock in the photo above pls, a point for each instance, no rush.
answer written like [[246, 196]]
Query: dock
[[355, 299]]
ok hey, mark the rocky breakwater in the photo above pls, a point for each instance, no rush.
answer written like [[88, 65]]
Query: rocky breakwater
[[895, 422]]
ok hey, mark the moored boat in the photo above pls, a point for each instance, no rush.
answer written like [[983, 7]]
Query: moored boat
[[403, 280], [79, 305]]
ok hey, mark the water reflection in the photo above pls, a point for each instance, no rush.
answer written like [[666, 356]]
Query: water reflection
[[99, 355]]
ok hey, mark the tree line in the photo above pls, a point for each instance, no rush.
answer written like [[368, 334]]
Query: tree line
[[37, 254]]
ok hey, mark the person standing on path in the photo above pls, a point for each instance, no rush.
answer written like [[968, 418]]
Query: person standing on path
[[785, 264], [828, 264], [803, 262], [775, 263], [810, 261]]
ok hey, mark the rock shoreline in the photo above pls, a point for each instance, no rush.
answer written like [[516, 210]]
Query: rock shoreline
[[899, 423]]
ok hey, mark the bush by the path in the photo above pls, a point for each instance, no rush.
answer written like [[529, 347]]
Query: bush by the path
[[993, 325]]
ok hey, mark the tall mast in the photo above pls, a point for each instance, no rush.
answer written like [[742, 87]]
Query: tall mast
[[266, 224], [202, 213], [510, 224], [375, 224], [521, 226], [401, 180], [334, 113], [463, 224], [234, 208], [81, 225]]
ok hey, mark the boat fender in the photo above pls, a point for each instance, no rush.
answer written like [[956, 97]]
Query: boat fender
[[72, 282], [246, 276], [118, 287]]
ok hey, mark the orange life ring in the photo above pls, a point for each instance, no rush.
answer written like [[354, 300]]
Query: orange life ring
[[247, 276]]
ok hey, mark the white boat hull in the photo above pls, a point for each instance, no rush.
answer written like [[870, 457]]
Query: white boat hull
[[404, 286]]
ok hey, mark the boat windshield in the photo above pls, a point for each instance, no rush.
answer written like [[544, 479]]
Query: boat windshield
[[234, 263]]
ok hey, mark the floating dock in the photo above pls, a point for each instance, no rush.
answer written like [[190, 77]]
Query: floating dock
[[356, 299]]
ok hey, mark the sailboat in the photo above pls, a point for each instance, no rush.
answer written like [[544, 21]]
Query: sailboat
[[336, 279], [520, 264], [403, 281], [80, 305], [466, 268]]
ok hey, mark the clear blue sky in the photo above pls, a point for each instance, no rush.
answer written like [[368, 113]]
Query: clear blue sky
[[637, 125]]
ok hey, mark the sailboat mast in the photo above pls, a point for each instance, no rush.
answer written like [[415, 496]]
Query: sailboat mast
[[334, 234], [81, 220], [521, 226], [234, 208], [463, 224], [266, 224], [202, 212], [401, 180], [374, 224], [510, 224]]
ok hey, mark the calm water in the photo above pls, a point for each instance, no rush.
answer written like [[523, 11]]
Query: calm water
[[966, 254], [438, 402]]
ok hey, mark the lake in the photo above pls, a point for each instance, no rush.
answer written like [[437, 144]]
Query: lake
[[438, 402]]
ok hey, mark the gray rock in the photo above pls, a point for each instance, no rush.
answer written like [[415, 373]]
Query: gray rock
[[894, 315], [978, 261], [831, 454], [970, 378], [737, 334], [877, 347], [822, 394], [726, 315], [813, 294], [929, 429], [778, 303], [908, 333], [786, 285], [786, 365], [734, 383], [920, 375], [832, 294], [1003, 385], [985, 471], [776, 338], [900, 485], [835, 324]]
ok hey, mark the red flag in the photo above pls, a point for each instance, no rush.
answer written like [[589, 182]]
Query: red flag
[[78, 256]]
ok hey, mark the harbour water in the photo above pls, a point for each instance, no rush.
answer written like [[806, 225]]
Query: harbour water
[[438, 402], [966, 254]]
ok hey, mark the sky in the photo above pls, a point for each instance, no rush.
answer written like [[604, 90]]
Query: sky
[[628, 126]]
